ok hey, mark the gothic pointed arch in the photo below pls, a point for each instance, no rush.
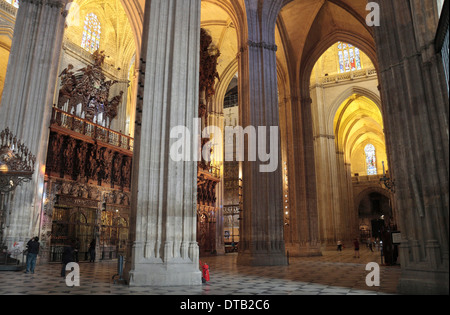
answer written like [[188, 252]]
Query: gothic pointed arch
[[227, 75], [313, 53], [369, 190], [352, 90]]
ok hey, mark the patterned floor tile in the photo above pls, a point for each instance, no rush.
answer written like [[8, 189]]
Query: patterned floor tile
[[333, 273]]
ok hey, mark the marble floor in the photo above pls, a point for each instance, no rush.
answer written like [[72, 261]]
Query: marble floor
[[335, 273]]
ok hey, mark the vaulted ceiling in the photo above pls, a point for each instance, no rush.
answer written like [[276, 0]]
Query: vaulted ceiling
[[307, 28], [117, 38], [304, 30], [357, 123]]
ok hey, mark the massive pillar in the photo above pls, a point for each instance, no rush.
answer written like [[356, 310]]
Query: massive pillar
[[328, 197], [302, 181], [216, 119], [349, 214], [164, 249], [261, 229], [415, 102], [27, 102], [337, 220]]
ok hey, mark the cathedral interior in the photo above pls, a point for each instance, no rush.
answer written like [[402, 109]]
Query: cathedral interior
[[91, 92]]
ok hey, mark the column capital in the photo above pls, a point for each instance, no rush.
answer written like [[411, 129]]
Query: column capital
[[292, 98], [306, 101], [262, 45], [52, 3], [329, 137], [253, 44]]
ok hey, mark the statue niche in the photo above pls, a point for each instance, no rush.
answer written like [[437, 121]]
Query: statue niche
[[85, 93]]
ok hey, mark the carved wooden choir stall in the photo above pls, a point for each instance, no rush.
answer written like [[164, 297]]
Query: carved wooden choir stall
[[88, 171], [208, 177]]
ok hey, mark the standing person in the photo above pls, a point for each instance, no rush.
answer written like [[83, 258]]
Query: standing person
[[67, 257], [339, 246], [371, 244], [76, 249], [356, 245], [33, 251], [92, 251]]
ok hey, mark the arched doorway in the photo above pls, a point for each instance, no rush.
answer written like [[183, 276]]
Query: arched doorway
[[346, 118], [374, 212], [72, 225]]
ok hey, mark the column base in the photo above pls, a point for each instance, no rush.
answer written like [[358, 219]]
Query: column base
[[297, 250], [419, 282], [262, 259], [164, 275]]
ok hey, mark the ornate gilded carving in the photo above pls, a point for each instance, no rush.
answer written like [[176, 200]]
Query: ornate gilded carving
[[206, 189], [88, 195], [83, 162], [209, 54], [89, 88]]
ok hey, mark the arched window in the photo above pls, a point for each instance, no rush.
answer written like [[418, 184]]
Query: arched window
[[15, 3], [371, 160], [91, 33], [349, 58]]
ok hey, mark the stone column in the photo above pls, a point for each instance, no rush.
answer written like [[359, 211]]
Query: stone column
[[119, 124], [27, 102], [348, 222], [163, 229], [303, 184], [415, 109], [283, 104], [350, 212], [333, 195], [261, 228], [216, 119]]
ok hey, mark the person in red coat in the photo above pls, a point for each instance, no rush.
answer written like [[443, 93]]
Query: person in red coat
[[205, 273]]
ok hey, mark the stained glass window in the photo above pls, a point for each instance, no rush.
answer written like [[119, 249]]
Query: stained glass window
[[15, 3], [371, 160], [349, 57], [91, 33]]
